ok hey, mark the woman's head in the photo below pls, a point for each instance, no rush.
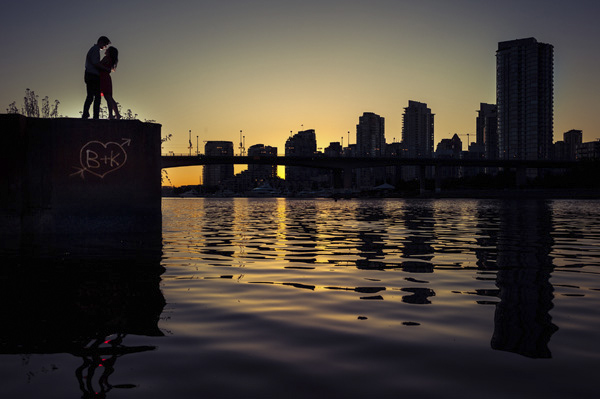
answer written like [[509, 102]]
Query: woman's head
[[113, 53]]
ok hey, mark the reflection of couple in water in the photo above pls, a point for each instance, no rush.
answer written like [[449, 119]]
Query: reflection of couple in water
[[97, 78]]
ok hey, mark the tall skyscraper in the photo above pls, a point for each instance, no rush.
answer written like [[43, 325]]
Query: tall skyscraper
[[573, 139], [417, 130], [417, 134], [333, 150], [370, 142], [370, 135], [487, 129], [303, 143], [262, 172], [449, 149], [525, 99]]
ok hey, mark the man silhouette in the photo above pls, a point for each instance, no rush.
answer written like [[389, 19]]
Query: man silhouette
[[92, 77]]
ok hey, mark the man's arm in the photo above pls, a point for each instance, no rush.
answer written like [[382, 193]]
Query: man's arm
[[93, 58]]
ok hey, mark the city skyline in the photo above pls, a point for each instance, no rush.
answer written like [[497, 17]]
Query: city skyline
[[269, 69]]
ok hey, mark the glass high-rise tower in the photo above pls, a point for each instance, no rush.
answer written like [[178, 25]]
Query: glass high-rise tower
[[525, 99], [370, 142], [417, 135], [417, 130], [487, 129], [370, 135]]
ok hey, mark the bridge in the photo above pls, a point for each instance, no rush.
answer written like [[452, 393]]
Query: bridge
[[347, 164]]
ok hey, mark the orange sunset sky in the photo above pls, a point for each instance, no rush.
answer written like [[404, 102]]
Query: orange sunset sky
[[271, 67]]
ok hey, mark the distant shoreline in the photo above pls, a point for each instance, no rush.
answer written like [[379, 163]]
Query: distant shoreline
[[528, 193], [517, 194]]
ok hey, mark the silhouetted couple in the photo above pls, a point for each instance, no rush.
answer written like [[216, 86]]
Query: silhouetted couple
[[97, 78]]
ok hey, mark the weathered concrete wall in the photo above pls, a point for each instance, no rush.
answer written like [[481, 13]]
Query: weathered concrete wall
[[75, 177]]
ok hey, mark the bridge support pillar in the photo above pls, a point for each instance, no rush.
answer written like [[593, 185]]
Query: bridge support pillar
[[70, 182], [338, 178], [521, 176], [422, 176], [347, 178], [438, 179]]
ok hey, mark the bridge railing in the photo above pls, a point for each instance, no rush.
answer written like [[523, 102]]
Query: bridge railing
[[172, 154]]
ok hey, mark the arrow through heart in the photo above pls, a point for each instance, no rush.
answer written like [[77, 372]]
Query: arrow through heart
[[100, 158]]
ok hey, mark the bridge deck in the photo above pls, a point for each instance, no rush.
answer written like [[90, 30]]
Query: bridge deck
[[172, 161]]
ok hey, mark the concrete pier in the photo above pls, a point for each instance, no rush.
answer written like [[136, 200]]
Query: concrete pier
[[69, 179]]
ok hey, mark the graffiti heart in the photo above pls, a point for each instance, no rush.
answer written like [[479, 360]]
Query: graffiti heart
[[100, 158]]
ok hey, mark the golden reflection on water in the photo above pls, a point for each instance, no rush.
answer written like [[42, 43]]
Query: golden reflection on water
[[409, 252]]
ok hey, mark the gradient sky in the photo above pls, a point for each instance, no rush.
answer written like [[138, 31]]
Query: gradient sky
[[271, 67]]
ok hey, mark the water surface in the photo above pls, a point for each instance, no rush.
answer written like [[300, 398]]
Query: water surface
[[299, 298]]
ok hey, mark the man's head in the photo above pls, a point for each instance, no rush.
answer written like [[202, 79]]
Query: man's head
[[103, 42]]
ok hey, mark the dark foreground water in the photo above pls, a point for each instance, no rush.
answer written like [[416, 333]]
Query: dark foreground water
[[315, 298]]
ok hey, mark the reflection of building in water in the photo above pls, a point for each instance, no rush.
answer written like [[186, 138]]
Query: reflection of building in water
[[371, 248], [82, 308], [219, 223], [487, 237], [372, 241], [418, 296], [419, 222], [522, 322], [301, 233]]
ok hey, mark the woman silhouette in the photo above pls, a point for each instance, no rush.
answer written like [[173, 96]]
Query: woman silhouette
[[110, 60]]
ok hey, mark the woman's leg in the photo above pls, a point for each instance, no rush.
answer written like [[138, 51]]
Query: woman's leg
[[112, 107], [116, 109], [109, 104]]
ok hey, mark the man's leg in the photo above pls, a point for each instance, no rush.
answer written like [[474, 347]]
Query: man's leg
[[93, 94], [97, 99], [88, 99], [97, 96]]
